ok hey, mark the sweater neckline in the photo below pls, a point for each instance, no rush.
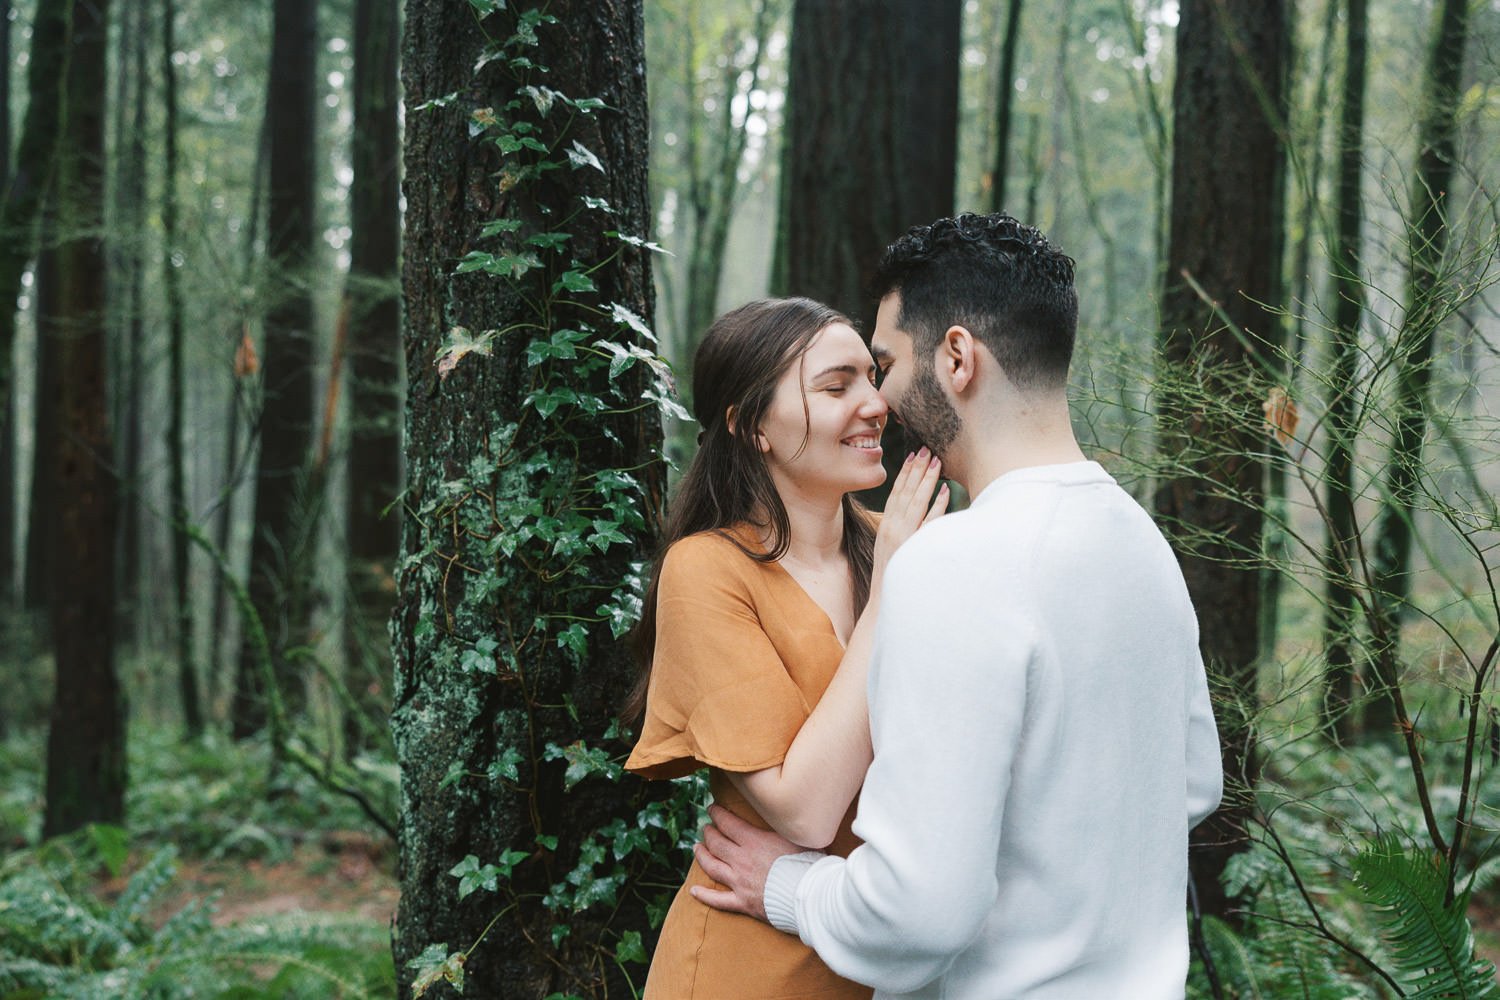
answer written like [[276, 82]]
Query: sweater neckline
[[1060, 474]]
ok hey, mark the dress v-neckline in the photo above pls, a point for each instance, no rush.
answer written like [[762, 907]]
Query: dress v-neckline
[[810, 599]]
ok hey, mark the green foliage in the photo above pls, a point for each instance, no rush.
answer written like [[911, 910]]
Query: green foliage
[[1429, 937], [62, 937]]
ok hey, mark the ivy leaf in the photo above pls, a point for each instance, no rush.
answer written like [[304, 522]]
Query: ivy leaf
[[456, 770], [437, 102], [480, 120], [484, 8], [597, 204], [497, 226], [435, 965], [574, 637], [580, 157], [625, 317], [636, 241], [548, 241], [462, 343], [472, 876], [667, 405], [507, 767], [542, 97], [574, 281], [560, 345], [630, 949]]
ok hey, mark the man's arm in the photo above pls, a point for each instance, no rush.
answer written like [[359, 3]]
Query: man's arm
[[1205, 767], [947, 700]]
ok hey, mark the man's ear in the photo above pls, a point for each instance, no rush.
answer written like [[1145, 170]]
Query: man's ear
[[958, 357]]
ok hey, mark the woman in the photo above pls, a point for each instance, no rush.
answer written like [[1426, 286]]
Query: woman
[[757, 628]]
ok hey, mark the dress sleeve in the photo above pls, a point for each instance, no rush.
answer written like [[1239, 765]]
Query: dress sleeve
[[719, 693]]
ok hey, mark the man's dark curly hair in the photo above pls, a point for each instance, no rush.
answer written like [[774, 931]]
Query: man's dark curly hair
[[1000, 279]]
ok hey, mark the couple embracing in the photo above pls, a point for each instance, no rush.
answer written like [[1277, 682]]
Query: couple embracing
[[951, 756]]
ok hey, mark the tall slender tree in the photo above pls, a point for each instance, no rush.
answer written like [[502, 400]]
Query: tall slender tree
[[280, 549], [86, 740], [1222, 259], [26, 189], [7, 399], [129, 268], [187, 668], [373, 329], [1429, 300], [503, 666], [1339, 604], [1005, 93]]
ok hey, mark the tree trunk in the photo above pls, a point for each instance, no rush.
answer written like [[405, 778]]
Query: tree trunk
[[26, 189], [506, 676], [187, 668], [873, 83], [281, 549], [129, 266], [41, 509], [1222, 237], [1005, 93], [86, 741], [1429, 298], [7, 398], [1339, 605], [374, 335]]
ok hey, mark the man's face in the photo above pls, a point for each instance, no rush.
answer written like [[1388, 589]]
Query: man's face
[[910, 385]]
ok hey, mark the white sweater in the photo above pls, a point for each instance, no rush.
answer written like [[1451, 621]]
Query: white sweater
[[1043, 742]]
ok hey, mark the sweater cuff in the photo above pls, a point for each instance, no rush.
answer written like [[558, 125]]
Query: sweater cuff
[[781, 888]]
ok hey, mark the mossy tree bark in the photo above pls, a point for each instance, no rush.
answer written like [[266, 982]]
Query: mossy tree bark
[[86, 741], [1223, 239], [373, 310], [507, 681], [284, 511]]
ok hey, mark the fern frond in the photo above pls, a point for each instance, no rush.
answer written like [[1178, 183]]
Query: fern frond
[[1431, 944]]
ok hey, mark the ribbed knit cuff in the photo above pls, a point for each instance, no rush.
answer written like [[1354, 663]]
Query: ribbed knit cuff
[[781, 888]]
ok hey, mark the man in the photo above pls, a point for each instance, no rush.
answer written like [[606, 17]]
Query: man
[[1038, 708]]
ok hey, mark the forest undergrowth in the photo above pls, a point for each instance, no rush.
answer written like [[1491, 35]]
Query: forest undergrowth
[[226, 884]]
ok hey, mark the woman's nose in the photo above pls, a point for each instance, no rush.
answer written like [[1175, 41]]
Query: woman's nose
[[873, 405]]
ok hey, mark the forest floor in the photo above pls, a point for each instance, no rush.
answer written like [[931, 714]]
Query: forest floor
[[344, 872]]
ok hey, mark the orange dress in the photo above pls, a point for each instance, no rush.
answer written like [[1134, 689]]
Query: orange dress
[[742, 656]]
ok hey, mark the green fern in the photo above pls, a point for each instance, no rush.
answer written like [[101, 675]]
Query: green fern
[[59, 941], [1277, 956], [1431, 944]]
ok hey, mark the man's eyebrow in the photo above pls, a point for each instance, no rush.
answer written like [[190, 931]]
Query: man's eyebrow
[[881, 354]]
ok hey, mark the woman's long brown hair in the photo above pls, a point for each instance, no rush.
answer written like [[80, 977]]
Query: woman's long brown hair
[[742, 357]]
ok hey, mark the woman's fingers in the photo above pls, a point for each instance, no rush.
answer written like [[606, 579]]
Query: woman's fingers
[[939, 504]]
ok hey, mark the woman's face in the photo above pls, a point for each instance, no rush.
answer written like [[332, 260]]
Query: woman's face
[[821, 433]]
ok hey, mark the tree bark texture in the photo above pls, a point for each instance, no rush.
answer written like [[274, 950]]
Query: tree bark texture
[[374, 337], [281, 549], [456, 592], [871, 140], [41, 508], [1222, 237], [86, 741], [870, 150], [1429, 298]]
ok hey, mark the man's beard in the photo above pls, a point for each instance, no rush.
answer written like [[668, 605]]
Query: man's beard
[[927, 415]]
